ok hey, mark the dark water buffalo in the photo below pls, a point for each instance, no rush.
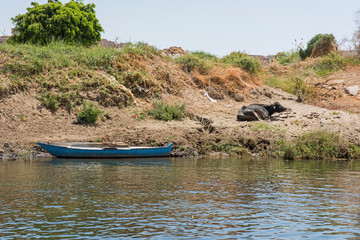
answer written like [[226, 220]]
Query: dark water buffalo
[[255, 112]]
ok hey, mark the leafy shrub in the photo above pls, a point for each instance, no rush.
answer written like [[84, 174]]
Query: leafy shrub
[[73, 22], [318, 145], [191, 63], [242, 60], [320, 42], [165, 112], [89, 113]]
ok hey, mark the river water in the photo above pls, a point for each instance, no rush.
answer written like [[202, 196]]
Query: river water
[[179, 198]]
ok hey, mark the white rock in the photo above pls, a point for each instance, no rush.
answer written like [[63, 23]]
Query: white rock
[[352, 90]]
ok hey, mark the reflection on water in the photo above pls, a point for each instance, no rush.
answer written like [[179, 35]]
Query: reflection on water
[[181, 198]]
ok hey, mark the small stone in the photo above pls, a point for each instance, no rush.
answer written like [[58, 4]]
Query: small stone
[[6, 145], [352, 90]]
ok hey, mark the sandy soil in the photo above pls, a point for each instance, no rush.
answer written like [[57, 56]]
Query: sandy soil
[[24, 122]]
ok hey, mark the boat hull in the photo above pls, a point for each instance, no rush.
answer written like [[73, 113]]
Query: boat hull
[[103, 152]]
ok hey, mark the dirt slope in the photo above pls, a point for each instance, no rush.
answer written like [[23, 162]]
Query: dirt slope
[[332, 93]]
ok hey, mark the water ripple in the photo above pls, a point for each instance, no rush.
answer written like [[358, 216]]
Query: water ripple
[[185, 199]]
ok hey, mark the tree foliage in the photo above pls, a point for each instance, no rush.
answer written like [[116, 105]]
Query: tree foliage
[[73, 22], [319, 41]]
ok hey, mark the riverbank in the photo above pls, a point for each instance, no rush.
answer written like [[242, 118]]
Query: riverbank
[[209, 128], [39, 102]]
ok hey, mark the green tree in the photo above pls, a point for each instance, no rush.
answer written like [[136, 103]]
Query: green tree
[[73, 22], [325, 42]]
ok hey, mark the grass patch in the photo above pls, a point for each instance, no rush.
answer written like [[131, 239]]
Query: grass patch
[[205, 56], [329, 64], [190, 63], [27, 59], [166, 112], [294, 84], [242, 60], [318, 145], [138, 50], [230, 148]]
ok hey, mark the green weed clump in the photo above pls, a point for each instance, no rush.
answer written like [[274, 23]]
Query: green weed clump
[[318, 145], [190, 63], [166, 112], [242, 60], [89, 113], [287, 58], [205, 56], [228, 147]]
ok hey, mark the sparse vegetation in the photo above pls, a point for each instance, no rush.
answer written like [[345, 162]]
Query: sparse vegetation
[[318, 145], [166, 112], [330, 63]]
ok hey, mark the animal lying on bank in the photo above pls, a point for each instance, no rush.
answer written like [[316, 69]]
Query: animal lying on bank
[[255, 112]]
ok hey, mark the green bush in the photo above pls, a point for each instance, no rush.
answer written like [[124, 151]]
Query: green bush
[[318, 145], [242, 60], [287, 58], [165, 112], [89, 113], [190, 63], [73, 23], [205, 56], [319, 41]]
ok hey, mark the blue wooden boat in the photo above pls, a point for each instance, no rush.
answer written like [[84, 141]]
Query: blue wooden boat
[[103, 150]]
